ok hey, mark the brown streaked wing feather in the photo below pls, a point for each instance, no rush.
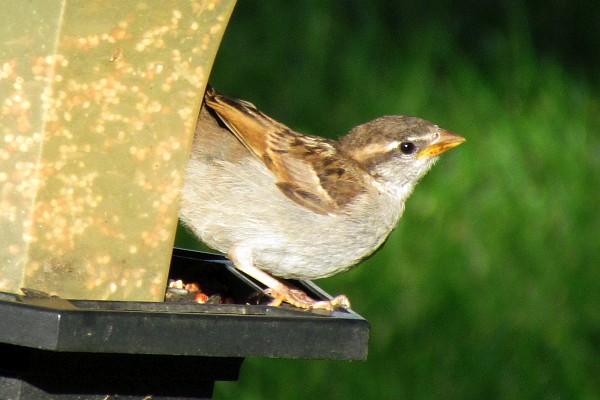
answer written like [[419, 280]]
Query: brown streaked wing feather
[[312, 172], [244, 120], [309, 169]]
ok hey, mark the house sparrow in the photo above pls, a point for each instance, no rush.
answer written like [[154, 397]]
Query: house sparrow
[[283, 204]]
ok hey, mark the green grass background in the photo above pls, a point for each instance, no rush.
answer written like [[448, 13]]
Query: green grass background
[[490, 286]]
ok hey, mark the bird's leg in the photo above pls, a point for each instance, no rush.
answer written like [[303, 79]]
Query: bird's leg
[[241, 257]]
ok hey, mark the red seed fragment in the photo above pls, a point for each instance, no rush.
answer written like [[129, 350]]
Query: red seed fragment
[[201, 298]]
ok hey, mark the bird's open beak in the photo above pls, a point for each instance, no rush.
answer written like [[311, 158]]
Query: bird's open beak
[[446, 141]]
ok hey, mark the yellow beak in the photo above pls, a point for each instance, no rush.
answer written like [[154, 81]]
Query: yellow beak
[[446, 141]]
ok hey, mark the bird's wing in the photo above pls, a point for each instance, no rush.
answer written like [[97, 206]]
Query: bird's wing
[[309, 170]]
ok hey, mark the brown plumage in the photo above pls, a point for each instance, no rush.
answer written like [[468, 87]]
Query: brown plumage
[[310, 170]]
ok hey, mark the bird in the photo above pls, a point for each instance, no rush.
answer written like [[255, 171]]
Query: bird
[[286, 205]]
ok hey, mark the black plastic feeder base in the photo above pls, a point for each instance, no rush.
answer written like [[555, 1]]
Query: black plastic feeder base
[[53, 348]]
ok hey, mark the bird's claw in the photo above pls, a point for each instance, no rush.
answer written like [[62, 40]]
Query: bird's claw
[[299, 299], [339, 301]]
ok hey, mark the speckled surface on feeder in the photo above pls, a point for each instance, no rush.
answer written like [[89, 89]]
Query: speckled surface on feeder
[[98, 103]]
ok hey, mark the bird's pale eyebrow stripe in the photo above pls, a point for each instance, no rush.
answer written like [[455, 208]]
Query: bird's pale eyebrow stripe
[[374, 150], [392, 145]]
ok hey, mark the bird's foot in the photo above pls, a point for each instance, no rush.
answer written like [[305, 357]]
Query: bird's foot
[[241, 256], [299, 299]]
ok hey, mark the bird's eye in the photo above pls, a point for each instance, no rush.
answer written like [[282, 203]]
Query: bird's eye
[[407, 148]]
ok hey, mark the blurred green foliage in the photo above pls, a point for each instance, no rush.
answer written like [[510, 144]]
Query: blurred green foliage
[[490, 287]]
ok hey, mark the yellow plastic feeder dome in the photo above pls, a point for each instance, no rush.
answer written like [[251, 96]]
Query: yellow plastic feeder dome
[[98, 104]]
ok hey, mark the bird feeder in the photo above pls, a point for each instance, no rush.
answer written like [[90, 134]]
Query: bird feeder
[[98, 105]]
